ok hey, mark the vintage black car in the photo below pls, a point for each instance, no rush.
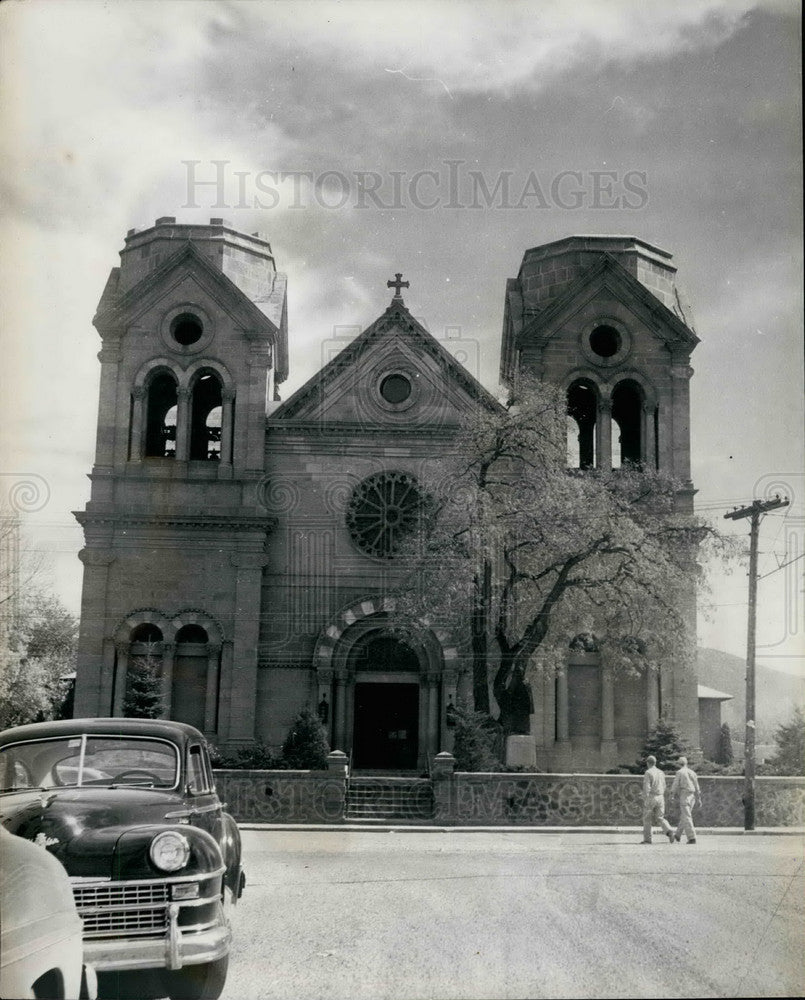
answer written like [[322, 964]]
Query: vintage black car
[[129, 807]]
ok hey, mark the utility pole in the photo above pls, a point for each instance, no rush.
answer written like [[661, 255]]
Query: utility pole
[[755, 511]]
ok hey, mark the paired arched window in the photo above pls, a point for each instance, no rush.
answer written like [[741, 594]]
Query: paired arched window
[[627, 424], [142, 696], [168, 421], [601, 436], [161, 410], [205, 418], [582, 416], [189, 681]]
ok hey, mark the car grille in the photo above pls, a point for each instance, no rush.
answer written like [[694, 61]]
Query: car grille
[[123, 910]]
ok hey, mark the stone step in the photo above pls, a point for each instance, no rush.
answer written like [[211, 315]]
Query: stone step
[[390, 798]]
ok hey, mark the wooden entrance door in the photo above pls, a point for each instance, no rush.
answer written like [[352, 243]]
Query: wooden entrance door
[[386, 733]]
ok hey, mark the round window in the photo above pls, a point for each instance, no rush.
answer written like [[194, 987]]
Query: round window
[[395, 388], [186, 329], [605, 341], [383, 511]]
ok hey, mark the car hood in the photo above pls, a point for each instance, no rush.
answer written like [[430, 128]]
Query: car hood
[[81, 826]]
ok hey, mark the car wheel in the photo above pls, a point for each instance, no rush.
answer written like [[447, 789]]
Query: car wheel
[[197, 982]]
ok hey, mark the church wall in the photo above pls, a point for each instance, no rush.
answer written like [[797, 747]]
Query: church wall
[[281, 696], [314, 567]]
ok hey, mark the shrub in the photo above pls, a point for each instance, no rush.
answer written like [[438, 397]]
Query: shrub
[[724, 753], [143, 689], [713, 767], [257, 756], [306, 745], [476, 736], [790, 740], [664, 743]]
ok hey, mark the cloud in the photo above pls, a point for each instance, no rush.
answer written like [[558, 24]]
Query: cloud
[[472, 47]]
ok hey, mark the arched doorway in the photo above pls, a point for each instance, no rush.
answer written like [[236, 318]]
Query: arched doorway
[[385, 702], [384, 683]]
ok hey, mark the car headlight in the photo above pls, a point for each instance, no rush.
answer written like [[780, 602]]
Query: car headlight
[[169, 851]]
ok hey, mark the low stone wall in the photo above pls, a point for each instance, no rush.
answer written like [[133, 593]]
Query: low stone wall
[[283, 796], [603, 800], [462, 799]]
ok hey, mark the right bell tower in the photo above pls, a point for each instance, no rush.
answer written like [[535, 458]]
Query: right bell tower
[[603, 318]]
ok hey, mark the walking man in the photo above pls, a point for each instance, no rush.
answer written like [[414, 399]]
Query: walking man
[[654, 802], [686, 789]]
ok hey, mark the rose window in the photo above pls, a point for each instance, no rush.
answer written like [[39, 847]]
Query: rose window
[[383, 511]]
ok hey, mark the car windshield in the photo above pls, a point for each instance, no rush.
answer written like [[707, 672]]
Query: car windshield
[[104, 761]]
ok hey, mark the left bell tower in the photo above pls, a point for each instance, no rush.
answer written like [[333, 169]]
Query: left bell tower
[[193, 325]]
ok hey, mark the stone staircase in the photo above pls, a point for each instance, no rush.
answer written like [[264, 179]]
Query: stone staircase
[[389, 799]]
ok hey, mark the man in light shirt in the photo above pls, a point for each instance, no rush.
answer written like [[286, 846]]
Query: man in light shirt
[[686, 789], [654, 802]]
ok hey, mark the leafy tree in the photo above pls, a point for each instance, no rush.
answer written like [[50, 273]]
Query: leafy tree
[[790, 740], [540, 553], [475, 743], [664, 743], [306, 745], [724, 754], [37, 656], [143, 698], [26, 690]]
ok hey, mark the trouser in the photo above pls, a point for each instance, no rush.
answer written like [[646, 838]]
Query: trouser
[[654, 815], [685, 824]]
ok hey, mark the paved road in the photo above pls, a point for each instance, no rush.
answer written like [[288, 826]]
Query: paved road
[[354, 915]]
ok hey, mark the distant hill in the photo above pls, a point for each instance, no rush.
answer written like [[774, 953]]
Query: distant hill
[[776, 693]]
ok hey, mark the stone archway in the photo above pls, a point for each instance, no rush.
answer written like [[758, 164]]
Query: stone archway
[[385, 682]]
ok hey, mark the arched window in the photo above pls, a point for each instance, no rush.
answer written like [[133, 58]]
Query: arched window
[[189, 686], [627, 424], [582, 410], [146, 634], [160, 432], [191, 633], [205, 418], [143, 684]]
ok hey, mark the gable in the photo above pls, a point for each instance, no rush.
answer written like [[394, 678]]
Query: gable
[[187, 276], [606, 284], [393, 374]]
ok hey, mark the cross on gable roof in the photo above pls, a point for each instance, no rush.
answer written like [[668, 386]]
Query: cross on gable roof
[[395, 317]]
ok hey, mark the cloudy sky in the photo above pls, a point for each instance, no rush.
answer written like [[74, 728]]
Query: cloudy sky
[[368, 138]]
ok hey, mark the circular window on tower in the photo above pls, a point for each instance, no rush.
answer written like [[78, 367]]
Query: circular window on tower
[[606, 343], [186, 329], [383, 512]]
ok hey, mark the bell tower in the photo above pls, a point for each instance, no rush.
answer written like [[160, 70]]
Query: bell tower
[[193, 327], [603, 318]]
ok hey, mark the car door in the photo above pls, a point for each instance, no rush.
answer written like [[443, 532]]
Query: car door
[[202, 799]]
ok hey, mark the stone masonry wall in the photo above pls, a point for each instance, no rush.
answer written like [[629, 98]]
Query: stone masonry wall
[[510, 799], [605, 800], [283, 796]]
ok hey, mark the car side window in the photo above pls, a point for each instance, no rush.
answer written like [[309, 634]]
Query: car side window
[[196, 773]]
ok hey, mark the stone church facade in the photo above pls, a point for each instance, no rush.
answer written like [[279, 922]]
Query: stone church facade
[[247, 545]]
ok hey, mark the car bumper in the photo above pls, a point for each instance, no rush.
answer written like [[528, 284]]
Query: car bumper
[[179, 947]]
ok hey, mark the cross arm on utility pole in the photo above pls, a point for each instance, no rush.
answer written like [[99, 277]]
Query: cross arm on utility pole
[[754, 512]]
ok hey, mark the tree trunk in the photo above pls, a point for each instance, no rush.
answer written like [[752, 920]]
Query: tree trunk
[[513, 695], [480, 638]]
